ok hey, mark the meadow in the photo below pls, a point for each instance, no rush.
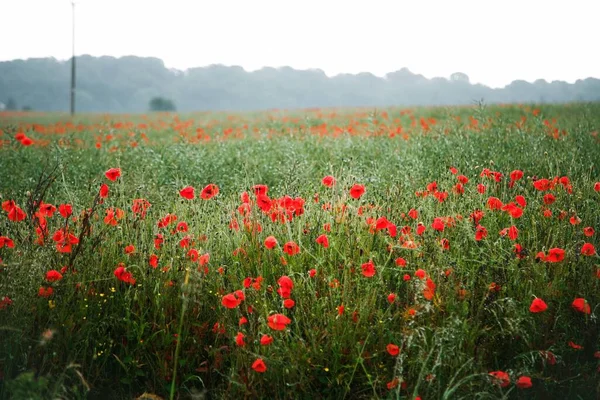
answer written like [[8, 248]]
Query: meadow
[[432, 253]]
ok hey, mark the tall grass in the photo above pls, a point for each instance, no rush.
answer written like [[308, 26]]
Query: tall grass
[[170, 335]]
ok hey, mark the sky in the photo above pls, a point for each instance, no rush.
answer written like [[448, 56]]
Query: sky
[[494, 42]]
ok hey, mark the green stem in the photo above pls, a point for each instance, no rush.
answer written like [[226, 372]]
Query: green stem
[[179, 330]]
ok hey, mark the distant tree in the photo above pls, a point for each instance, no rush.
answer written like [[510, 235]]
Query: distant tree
[[11, 104], [26, 108], [161, 104], [459, 77]]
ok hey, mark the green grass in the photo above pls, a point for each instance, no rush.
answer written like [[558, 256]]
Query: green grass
[[98, 337]]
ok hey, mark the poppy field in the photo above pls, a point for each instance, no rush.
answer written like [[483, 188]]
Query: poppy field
[[431, 253]]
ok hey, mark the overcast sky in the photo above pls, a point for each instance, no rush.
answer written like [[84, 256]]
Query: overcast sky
[[494, 42]]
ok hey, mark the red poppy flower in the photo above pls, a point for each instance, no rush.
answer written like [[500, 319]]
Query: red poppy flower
[[476, 216], [247, 282], [289, 303], [103, 191], [129, 249], [597, 186], [429, 290], [400, 262], [381, 223], [260, 190], [158, 241], [391, 298], [64, 240], [459, 189], [193, 255], [6, 241], [182, 227], [230, 301], [204, 259], [579, 304], [520, 251], [312, 273], [323, 241], [153, 260], [588, 231], [285, 286], [588, 249], [515, 176], [16, 214], [8, 205], [123, 275], [5, 302], [555, 255], [65, 210], [549, 199], [521, 201], [26, 141], [187, 193], [278, 322], [438, 224], [239, 339], [575, 345], [53, 276], [414, 214], [392, 384], [328, 181], [500, 378], [542, 184], [259, 365], [494, 203], [209, 191], [270, 242], [46, 209], [112, 174], [45, 292], [264, 203], [185, 242], [480, 233], [393, 350], [140, 207], [356, 191], [524, 382], [291, 248], [463, 179], [266, 340], [420, 273], [538, 305], [481, 188], [512, 232], [368, 269]]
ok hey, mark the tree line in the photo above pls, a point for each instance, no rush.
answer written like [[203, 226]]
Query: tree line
[[130, 84]]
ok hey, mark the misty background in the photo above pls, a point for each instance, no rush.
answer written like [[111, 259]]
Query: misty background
[[128, 84]]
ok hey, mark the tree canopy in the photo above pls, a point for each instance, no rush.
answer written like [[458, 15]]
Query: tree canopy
[[161, 104]]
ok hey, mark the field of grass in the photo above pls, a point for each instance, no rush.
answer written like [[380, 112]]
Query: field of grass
[[439, 253]]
